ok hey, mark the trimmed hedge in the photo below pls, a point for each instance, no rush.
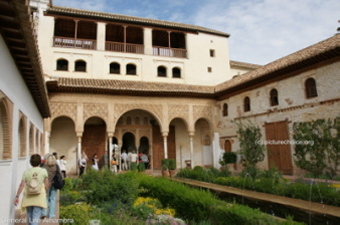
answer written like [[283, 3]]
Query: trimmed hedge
[[201, 205]]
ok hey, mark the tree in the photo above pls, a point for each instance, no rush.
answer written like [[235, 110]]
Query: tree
[[251, 149]]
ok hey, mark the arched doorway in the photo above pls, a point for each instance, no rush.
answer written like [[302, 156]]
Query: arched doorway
[[227, 146], [63, 140], [94, 140], [203, 148], [129, 143]]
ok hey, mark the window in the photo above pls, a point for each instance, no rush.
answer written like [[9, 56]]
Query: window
[[209, 69], [114, 68], [176, 72], [274, 98], [246, 104], [62, 65], [131, 69], [212, 53], [310, 88], [225, 109], [161, 71], [80, 66]]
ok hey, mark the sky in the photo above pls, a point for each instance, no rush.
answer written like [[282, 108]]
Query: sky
[[261, 31]]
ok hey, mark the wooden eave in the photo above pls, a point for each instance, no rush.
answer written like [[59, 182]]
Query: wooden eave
[[17, 31], [110, 17], [129, 88]]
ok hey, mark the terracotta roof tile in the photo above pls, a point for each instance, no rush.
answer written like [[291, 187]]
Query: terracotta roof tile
[[324, 50]]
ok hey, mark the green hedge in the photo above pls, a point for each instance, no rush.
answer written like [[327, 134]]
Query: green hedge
[[201, 205]]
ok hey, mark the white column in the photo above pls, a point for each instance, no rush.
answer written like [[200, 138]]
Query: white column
[[191, 137], [165, 144], [78, 152], [101, 34], [110, 152], [148, 41]]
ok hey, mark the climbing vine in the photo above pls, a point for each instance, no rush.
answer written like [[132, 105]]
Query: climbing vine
[[250, 148], [317, 147]]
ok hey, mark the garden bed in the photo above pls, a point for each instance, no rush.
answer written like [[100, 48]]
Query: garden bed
[[281, 206]]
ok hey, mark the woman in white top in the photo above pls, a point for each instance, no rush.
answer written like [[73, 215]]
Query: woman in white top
[[63, 165]]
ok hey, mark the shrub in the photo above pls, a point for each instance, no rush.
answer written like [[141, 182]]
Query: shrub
[[165, 164], [141, 167], [251, 171], [79, 213], [172, 164], [101, 186], [229, 157], [200, 205]]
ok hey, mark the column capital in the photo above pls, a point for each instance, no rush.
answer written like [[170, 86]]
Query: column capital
[[165, 133]]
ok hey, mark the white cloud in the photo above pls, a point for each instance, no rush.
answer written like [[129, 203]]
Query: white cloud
[[265, 30]]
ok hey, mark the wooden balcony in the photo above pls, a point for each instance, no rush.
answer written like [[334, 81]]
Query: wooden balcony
[[170, 52], [124, 47], [67, 42]]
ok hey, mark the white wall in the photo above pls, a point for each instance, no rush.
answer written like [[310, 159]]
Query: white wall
[[193, 68], [14, 87]]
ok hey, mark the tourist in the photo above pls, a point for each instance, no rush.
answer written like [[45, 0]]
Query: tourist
[[95, 162], [63, 162], [144, 159], [34, 204], [124, 157], [52, 168], [82, 164], [114, 163]]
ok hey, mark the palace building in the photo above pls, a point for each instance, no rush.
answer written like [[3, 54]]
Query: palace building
[[76, 81]]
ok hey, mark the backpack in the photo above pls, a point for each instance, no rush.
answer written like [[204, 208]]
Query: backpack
[[34, 186], [58, 180]]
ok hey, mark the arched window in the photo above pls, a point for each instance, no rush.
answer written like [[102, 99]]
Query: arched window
[[310, 88], [161, 71], [22, 138], [225, 109], [176, 72], [62, 65], [114, 68], [128, 120], [80, 66], [131, 69], [274, 97], [246, 104], [5, 130]]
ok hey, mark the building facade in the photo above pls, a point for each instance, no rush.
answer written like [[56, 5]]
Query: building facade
[[100, 83]]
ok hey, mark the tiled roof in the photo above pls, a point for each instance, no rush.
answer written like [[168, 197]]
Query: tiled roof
[[58, 10], [17, 31], [323, 51], [121, 87], [244, 64]]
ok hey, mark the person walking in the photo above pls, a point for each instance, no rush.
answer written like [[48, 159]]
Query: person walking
[[144, 158], [124, 161], [52, 168], [63, 162], [82, 163], [34, 204], [114, 163], [95, 162]]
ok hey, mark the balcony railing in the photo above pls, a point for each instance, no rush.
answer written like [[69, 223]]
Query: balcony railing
[[124, 47], [170, 52], [74, 43]]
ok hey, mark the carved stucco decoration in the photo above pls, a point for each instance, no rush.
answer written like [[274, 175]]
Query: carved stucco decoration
[[145, 133], [64, 109], [202, 112], [120, 109], [95, 109], [179, 111]]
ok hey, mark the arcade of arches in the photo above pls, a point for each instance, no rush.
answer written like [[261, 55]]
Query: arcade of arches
[[160, 131]]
